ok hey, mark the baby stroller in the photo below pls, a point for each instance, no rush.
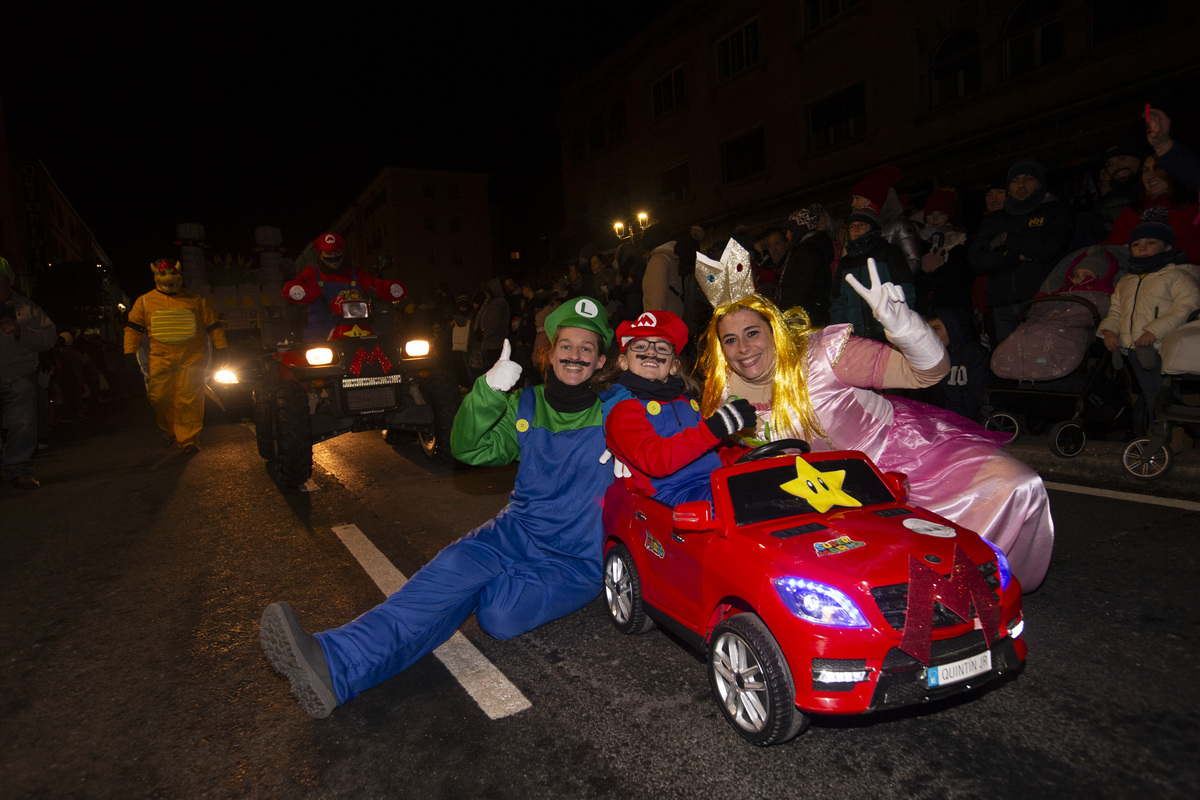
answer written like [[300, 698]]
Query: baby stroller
[[1150, 457], [1053, 367]]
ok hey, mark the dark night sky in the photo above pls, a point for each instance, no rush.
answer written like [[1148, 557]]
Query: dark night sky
[[235, 116]]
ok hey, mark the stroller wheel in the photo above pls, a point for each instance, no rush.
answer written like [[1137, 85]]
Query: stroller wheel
[[1067, 439], [1003, 422], [1140, 463]]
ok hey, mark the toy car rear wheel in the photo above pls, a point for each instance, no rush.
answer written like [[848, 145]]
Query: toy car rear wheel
[[752, 682], [1067, 439], [623, 592], [1003, 422], [264, 432], [292, 454], [1150, 466]]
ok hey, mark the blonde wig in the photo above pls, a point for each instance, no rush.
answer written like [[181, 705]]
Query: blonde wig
[[792, 412]]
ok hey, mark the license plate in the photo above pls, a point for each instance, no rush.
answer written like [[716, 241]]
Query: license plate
[[959, 670]]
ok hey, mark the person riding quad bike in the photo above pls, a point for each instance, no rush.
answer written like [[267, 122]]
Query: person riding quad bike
[[319, 287]]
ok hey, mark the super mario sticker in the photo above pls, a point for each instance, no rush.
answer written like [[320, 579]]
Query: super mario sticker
[[842, 544]]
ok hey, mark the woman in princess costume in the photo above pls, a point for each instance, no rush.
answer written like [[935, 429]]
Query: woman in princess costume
[[820, 384]]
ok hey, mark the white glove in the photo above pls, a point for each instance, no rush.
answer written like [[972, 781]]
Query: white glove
[[904, 327], [619, 468], [505, 373]]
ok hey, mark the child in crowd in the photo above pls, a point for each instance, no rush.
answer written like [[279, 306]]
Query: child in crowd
[[1152, 299], [963, 388], [658, 433]]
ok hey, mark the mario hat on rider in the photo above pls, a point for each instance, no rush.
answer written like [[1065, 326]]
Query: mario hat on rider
[[662, 324], [580, 312], [329, 243]]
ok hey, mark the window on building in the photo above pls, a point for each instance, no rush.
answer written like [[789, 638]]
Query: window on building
[[456, 259], [616, 122], [818, 12], [744, 156], [1034, 37], [957, 68], [455, 225], [427, 190], [430, 224], [433, 258], [838, 118], [676, 183], [452, 191], [596, 134], [668, 92], [1112, 20], [738, 50]]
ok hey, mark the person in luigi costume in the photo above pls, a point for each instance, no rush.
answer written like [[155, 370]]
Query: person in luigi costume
[[537, 560]]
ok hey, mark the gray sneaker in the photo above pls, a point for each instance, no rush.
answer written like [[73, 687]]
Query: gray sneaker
[[297, 655]]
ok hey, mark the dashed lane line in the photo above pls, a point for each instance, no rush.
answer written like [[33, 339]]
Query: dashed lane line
[[1186, 505], [494, 693]]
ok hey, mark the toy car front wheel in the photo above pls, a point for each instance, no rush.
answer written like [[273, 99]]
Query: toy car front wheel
[[1067, 439], [623, 592], [1141, 463], [293, 435], [752, 683]]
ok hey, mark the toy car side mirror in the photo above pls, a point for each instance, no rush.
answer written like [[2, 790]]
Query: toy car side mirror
[[695, 516], [898, 483]]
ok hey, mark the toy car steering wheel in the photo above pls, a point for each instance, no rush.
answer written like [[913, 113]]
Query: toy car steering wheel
[[774, 448]]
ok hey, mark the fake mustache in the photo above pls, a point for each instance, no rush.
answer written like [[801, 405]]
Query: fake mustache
[[567, 362], [650, 357]]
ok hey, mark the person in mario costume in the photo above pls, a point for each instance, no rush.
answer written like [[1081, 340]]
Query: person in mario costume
[[538, 559], [669, 450], [177, 322], [320, 287]]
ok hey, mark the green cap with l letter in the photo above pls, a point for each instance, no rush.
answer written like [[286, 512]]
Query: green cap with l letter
[[580, 312]]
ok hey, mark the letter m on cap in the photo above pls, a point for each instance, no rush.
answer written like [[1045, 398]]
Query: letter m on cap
[[957, 591]]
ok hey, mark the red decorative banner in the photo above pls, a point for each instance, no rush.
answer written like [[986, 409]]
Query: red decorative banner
[[375, 355], [956, 591]]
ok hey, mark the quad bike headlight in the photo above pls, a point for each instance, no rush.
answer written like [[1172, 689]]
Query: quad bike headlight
[[225, 376], [319, 356], [819, 603], [416, 347]]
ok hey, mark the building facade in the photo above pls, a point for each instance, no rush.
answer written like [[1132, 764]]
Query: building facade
[[430, 226], [727, 112]]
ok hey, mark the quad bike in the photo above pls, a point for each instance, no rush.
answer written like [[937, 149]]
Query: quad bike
[[354, 381]]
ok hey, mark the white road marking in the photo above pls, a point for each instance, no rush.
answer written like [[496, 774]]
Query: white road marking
[[494, 693], [1186, 505]]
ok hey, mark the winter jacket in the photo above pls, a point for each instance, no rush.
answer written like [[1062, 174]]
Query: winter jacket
[[1041, 236], [848, 306], [662, 288], [1158, 302], [806, 279]]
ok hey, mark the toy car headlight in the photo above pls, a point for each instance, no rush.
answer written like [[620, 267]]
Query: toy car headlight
[[319, 356], [355, 310], [1002, 563], [416, 347], [225, 376], [818, 603]]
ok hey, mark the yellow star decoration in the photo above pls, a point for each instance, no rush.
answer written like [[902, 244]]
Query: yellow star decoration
[[357, 332], [822, 490]]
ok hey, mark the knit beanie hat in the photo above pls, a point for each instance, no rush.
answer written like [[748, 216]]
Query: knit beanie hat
[[1155, 224], [875, 187], [805, 220], [866, 215], [1027, 166]]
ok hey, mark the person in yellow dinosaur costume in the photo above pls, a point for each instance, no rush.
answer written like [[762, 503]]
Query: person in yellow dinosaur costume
[[176, 322]]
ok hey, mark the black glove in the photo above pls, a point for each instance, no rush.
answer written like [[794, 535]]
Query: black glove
[[731, 418]]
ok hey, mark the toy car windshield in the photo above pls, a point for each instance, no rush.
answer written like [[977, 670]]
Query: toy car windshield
[[759, 496]]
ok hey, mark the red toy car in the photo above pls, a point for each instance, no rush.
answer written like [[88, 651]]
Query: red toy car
[[813, 588]]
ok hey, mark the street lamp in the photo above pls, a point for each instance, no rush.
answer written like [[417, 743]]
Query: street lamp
[[643, 221]]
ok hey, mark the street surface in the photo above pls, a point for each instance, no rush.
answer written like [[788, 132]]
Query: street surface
[[133, 581]]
